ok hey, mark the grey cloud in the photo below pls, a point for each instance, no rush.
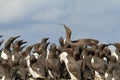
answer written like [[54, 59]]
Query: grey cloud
[[36, 10], [39, 18]]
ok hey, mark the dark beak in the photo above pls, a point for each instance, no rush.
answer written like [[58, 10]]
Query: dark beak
[[1, 36], [16, 37]]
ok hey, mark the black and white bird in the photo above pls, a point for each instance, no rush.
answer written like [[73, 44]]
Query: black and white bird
[[53, 62], [72, 66]]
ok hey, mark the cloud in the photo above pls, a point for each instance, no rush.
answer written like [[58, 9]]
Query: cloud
[[34, 19], [48, 15], [33, 10], [10, 10], [53, 11]]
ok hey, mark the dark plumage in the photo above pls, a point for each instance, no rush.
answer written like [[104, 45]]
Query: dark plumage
[[53, 62], [7, 47], [72, 67], [43, 57], [117, 51], [77, 42], [36, 47]]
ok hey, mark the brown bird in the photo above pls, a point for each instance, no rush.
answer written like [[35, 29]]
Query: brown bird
[[72, 66], [79, 41], [117, 51], [6, 53], [53, 62]]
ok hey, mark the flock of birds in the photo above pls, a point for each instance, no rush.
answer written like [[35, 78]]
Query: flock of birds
[[83, 59]]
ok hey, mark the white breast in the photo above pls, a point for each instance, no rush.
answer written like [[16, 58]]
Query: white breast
[[63, 56], [113, 78], [92, 60], [105, 59], [32, 72], [13, 57], [4, 55], [64, 41], [106, 75], [36, 55], [3, 77], [97, 74], [47, 54], [114, 54], [50, 73]]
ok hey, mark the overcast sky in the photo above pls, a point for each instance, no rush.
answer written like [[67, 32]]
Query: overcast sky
[[35, 19]]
